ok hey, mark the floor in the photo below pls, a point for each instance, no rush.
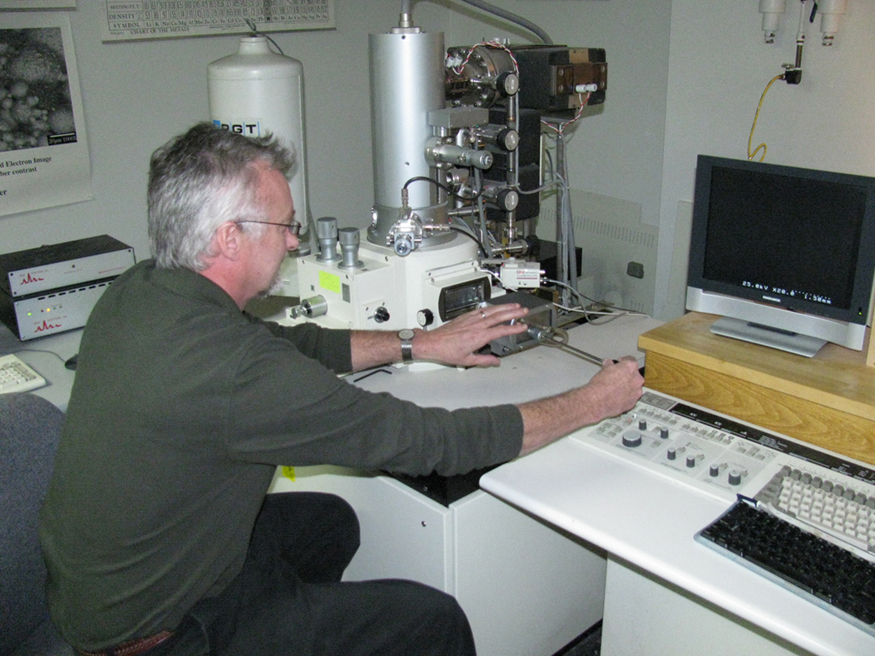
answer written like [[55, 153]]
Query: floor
[[588, 644]]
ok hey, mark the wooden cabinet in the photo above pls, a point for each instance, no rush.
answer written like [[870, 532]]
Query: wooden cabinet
[[827, 400]]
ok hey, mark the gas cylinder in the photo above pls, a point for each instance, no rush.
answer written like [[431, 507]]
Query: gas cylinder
[[255, 91]]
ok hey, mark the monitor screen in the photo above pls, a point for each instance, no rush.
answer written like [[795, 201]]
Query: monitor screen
[[782, 246]]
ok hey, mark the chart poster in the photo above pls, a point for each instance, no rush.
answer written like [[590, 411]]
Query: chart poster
[[37, 4], [44, 160], [161, 19]]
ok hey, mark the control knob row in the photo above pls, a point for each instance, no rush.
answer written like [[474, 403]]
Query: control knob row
[[691, 461], [733, 477], [663, 431]]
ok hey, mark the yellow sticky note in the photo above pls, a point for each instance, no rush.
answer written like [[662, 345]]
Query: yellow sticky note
[[329, 282], [288, 472]]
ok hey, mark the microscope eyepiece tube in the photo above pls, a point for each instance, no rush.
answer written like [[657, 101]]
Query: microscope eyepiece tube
[[349, 248], [326, 233]]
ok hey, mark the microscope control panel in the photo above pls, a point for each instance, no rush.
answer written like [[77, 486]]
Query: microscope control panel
[[719, 455]]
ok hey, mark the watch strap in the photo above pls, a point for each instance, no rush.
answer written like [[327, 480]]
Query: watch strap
[[406, 337]]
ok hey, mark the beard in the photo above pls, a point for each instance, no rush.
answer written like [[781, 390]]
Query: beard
[[275, 287]]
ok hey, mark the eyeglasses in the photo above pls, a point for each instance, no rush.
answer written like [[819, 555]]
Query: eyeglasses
[[294, 227]]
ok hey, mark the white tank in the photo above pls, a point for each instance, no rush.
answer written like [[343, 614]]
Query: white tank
[[255, 91]]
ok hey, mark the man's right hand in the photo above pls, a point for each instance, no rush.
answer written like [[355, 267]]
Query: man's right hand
[[613, 390]]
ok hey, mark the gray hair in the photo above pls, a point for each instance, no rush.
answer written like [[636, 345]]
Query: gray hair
[[198, 181]]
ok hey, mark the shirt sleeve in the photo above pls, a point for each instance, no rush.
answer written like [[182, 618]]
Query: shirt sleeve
[[330, 347], [289, 409]]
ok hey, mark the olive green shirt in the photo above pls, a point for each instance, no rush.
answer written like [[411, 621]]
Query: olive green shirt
[[181, 410]]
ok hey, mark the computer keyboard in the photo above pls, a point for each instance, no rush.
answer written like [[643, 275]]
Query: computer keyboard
[[17, 376], [826, 574], [795, 490], [839, 512]]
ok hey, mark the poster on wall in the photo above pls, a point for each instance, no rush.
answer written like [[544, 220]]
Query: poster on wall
[[161, 19], [37, 4], [44, 158]]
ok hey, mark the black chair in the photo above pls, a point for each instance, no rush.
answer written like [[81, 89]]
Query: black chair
[[29, 430]]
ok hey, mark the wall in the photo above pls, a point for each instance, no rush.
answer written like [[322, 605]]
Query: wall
[[718, 69]]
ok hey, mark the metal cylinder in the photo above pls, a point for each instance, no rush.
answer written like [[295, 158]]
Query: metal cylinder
[[406, 74], [349, 248], [326, 233], [315, 306]]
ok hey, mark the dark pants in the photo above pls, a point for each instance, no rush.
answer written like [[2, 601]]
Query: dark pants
[[289, 601]]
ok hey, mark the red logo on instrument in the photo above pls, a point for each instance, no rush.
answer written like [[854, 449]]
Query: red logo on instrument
[[29, 279], [47, 326]]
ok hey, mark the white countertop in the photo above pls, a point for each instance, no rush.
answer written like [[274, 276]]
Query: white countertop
[[649, 521], [524, 376]]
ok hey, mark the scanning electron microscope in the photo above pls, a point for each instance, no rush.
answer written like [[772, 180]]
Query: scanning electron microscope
[[457, 163]]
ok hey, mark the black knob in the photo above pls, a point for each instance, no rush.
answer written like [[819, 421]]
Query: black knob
[[381, 315], [507, 200], [508, 83], [508, 139]]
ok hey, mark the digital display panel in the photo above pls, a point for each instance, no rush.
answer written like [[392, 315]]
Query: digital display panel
[[458, 299]]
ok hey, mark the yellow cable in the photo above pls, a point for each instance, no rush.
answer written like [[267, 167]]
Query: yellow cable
[[750, 155]]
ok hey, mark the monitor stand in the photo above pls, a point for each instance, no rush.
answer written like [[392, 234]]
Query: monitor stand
[[776, 338]]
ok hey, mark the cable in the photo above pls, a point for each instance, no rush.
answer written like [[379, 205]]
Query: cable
[[449, 192], [792, 75], [615, 314], [470, 235], [445, 188], [458, 70], [545, 187], [31, 350], [251, 25], [564, 123], [555, 179], [513, 18], [482, 223], [750, 155], [566, 261]]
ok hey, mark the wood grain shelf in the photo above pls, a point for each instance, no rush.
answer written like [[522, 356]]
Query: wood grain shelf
[[827, 400]]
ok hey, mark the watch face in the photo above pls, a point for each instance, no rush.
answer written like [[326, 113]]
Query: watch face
[[406, 334]]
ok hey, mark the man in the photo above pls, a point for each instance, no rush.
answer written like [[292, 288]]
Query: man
[[157, 532]]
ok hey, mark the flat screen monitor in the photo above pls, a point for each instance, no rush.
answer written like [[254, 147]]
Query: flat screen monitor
[[784, 255]]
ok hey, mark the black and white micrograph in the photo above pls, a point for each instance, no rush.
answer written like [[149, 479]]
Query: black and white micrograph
[[36, 109]]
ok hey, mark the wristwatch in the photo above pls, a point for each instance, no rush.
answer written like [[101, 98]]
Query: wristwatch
[[406, 336]]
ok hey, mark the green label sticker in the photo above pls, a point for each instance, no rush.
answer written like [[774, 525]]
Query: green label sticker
[[329, 281]]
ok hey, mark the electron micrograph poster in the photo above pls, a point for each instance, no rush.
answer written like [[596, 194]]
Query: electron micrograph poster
[[44, 158]]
